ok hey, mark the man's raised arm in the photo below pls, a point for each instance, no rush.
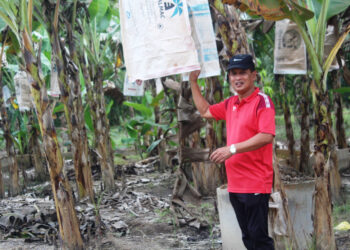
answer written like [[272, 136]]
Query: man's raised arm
[[201, 104]]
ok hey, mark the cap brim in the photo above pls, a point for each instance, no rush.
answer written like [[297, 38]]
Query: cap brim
[[239, 67]]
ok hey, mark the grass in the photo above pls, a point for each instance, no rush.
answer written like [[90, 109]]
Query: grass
[[164, 215], [122, 159], [341, 213]]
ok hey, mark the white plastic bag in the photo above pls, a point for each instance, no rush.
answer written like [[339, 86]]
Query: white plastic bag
[[329, 41], [204, 37], [159, 86], [54, 90], [290, 50], [23, 92], [279, 225], [6, 95], [135, 88], [156, 37]]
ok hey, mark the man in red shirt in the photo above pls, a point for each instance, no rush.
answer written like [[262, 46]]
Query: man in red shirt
[[250, 125]]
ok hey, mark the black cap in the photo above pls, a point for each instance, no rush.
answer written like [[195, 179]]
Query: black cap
[[241, 61]]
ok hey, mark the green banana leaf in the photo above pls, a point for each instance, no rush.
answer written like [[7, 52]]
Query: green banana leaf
[[335, 7], [2, 25], [343, 90], [98, 8], [146, 111], [271, 9]]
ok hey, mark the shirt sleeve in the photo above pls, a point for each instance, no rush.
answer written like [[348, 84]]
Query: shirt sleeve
[[266, 121], [218, 111]]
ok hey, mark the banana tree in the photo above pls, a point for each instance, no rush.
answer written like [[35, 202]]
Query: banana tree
[[69, 82], [14, 187], [26, 137], [305, 126], [18, 15], [94, 63], [231, 31], [312, 28], [285, 103]]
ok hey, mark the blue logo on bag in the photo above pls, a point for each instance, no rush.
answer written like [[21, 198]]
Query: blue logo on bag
[[178, 8], [178, 4]]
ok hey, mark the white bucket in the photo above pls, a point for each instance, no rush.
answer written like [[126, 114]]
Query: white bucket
[[299, 197], [231, 234]]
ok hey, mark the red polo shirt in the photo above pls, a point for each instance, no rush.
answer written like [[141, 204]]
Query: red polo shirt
[[249, 172]]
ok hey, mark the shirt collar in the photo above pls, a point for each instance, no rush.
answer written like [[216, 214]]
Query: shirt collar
[[249, 98]]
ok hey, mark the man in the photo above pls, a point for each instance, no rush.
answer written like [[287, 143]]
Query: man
[[250, 123]]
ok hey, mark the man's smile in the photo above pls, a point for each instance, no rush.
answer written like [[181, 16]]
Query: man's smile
[[239, 84]]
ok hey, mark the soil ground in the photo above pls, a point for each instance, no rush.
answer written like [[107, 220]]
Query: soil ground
[[138, 216]]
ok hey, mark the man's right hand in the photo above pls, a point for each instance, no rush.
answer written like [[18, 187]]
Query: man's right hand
[[194, 76], [201, 104]]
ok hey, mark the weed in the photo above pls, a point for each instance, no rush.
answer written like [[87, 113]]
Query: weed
[[341, 212], [164, 215], [206, 206], [97, 204], [150, 185]]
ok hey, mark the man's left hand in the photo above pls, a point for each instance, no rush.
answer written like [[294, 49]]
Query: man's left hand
[[221, 155]]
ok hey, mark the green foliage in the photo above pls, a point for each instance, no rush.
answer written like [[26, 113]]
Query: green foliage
[[153, 145], [88, 119], [20, 134], [109, 106], [343, 90], [335, 7], [98, 8], [59, 108], [143, 123], [164, 215], [341, 212], [144, 109]]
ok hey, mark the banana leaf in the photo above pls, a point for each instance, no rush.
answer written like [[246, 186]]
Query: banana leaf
[[271, 9], [335, 7], [98, 8], [2, 25], [146, 111], [334, 52], [343, 90]]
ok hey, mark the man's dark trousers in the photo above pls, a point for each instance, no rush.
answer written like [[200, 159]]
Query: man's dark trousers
[[252, 215]]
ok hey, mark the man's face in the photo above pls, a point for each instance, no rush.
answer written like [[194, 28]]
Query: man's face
[[242, 81]]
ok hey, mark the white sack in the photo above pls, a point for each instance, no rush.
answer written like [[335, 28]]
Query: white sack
[[279, 225], [159, 86], [204, 37], [135, 88], [6, 95], [54, 90], [156, 37], [290, 50], [329, 42], [23, 92]]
